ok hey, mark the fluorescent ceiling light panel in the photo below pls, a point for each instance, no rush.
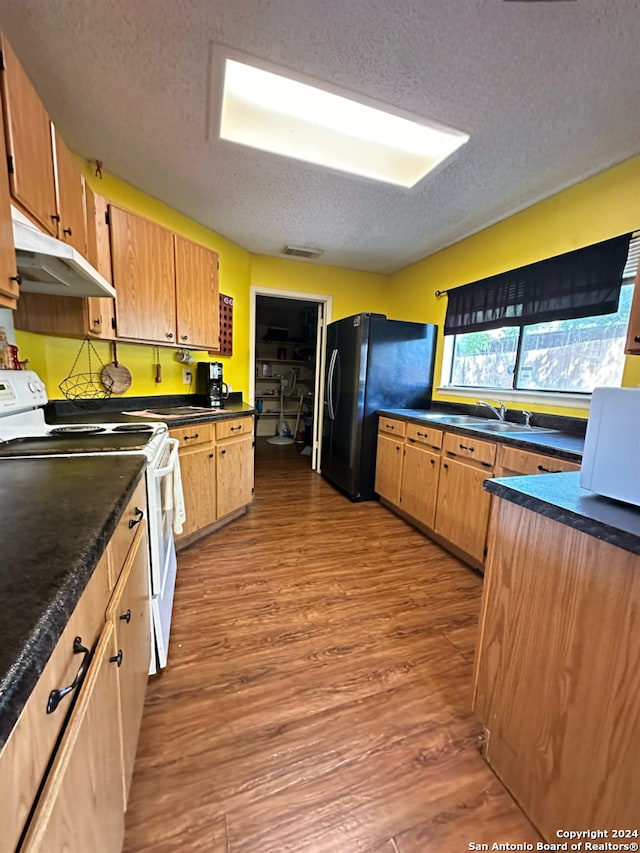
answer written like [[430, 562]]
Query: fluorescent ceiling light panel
[[284, 116]]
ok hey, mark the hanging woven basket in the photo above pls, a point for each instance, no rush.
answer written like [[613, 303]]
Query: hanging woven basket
[[85, 388]]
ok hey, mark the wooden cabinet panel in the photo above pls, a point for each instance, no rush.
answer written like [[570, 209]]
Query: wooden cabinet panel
[[101, 312], [72, 225], [482, 452], [556, 671], [129, 612], [123, 536], [236, 426], [81, 806], [24, 758], [389, 467], [234, 475], [633, 331], [462, 514], [391, 426], [188, 436], [513, 461], [8, 284], [143, 276], [419, 490], [198, 311], [28, 138], [424, 435], [198, 470]]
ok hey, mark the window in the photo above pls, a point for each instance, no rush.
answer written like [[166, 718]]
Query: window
[[575, 355], [561, 355]]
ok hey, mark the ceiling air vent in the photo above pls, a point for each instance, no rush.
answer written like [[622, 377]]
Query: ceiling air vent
[[302, 252]]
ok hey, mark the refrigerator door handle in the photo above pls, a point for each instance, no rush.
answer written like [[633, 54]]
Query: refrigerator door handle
[[332, 367]]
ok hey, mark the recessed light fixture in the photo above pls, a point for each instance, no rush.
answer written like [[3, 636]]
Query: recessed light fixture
[[284, 116]]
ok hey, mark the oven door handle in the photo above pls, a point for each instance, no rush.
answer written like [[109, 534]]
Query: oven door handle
[[159, 473]]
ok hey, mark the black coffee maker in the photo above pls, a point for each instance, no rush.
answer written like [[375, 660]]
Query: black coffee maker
[[210, 385]]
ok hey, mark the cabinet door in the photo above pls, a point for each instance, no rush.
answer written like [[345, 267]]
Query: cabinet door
[[28, 137], [8, 272], [130, 615], [101, 311], [197, 304], [389, 468], [143, 275], [81, 806], [198, 471], [419, 491], [462, 513], [234, 475], [633, 332], [72, 225]]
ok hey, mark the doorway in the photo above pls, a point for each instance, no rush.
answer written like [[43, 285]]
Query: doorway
[[287, 357]]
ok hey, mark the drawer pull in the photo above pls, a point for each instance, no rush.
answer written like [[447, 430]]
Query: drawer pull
[[137, 519], [126, 617], [547, 470], [390, 426], [189, 437], [117, 659], [56, 696], [233, 429], [464, 447], [423, 435], [412, 440]]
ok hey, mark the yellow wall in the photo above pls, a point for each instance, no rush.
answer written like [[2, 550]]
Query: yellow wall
[[594, 210]]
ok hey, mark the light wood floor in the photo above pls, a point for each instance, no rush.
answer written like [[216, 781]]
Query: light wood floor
[[317, 696]]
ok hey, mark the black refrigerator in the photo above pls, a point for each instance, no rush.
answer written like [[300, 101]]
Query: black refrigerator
[[371, 363]]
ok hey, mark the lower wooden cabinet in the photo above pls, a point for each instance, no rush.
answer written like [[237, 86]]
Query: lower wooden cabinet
[[216, 463], [462, 515], [420, 477], [514, 462], [72, 768], [81, 807], [389, 468]]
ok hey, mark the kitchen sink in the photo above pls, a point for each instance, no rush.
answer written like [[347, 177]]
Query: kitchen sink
[[505, 426], [456, 419]]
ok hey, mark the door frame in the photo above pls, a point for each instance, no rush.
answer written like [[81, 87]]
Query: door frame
[[325, 306]]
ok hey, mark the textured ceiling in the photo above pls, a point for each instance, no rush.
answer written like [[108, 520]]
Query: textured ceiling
[[549, 91]]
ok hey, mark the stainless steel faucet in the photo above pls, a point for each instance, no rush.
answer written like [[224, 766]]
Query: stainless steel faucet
[[499, 413], [527, 417]]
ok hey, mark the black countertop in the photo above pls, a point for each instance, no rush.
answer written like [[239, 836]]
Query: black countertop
[[559, 497], [56, 518], [558, 443]]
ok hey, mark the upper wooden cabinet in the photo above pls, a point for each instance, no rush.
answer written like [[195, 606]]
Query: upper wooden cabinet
[[198, 314], [8, 274], [143, 276], [72, 223], [28, 138], [633, 332], [101, 312], [167, 286]]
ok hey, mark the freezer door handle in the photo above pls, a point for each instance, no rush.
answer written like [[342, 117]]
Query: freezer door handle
[[332, 368]]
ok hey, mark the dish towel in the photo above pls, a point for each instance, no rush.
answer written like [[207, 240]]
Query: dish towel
[[179, 510]]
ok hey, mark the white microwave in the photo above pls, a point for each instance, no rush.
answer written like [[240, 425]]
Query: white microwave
[[611, 460]]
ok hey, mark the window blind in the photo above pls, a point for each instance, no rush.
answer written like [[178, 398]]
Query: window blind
[[582, 283]]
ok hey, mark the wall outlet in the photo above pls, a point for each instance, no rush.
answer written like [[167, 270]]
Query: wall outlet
[[187, 375]]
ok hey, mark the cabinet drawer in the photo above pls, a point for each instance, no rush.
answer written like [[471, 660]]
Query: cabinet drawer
[[25, 756], [391, 426], [513, 461], [424, 435], [194, 434], [237, 426], [483, 452], [125, 531]]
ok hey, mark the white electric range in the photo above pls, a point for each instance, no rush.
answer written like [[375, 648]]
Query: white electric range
[[25, 433]]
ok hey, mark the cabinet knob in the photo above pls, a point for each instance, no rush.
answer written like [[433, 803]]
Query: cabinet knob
[[185, 337], [16, 278], [55, 217], [97, 322], [636, 338], [445, 465], [67, 231], [126, 617], [211, 455], [223, 452], [117, 659], [433, 461]]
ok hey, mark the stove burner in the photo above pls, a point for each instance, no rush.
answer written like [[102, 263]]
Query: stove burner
[[133, 428], [88, 429]]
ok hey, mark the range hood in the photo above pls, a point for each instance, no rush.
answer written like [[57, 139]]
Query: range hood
[[47, 265]]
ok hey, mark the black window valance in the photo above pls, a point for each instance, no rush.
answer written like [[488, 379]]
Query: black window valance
[[582, 283]]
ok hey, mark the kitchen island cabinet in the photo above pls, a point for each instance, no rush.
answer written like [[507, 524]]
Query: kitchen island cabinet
[[556, 671], [73, 763]]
